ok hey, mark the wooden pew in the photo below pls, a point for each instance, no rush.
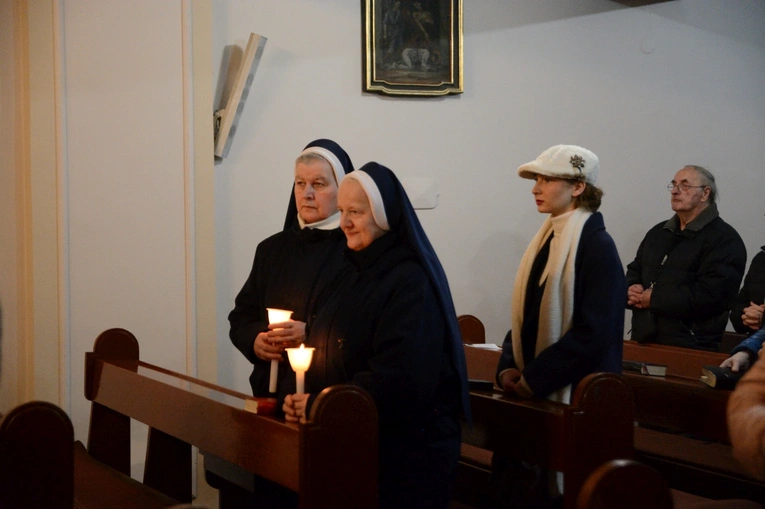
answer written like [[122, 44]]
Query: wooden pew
[[331, 461], [684, 430], [679, 401], [41, 466], [624, 484], [36, 457], [481, 363], [628, 484], [471, 329], [574, 439]]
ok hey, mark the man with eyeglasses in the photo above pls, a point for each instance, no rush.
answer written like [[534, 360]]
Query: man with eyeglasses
[[687, 270]]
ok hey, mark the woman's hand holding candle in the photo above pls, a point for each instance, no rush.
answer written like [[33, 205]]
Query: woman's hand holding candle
[[266, 350], [294, 407]]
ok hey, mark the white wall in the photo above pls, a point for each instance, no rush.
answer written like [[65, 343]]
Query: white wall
[[124, 181], [648, 89]]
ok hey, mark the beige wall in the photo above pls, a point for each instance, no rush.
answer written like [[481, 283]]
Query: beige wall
[[110, 134], [11, 212]]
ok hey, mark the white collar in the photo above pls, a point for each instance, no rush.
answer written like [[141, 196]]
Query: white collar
[[329, 223]]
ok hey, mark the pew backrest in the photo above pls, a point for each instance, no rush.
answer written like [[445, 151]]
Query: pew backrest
[[328, 461], [471, 329], [574, 439], [680, 362], [624, 484], [36, 457], [679, 401]]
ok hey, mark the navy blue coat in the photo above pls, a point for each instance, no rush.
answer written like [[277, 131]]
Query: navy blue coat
[[384, 331], [594, 342]]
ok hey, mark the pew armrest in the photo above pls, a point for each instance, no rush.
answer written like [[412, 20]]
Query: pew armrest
[[626, 484], [36, 465]]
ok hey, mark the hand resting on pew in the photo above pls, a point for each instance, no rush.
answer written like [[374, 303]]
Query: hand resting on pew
[[739, 361], [295, 406], [744, 354], [513, 382]]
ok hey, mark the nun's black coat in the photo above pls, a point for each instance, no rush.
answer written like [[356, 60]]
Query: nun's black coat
[[384, 330], [290, 271]]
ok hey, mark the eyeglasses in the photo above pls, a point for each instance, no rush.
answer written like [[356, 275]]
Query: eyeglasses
[[683, 187]]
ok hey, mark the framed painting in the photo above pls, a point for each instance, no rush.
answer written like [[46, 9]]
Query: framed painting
[[412, 47]]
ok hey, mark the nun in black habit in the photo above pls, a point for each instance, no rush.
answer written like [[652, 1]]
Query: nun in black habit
[[391, 329], [293, 267]]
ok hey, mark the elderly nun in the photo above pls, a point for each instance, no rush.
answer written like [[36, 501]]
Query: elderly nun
[[391, 329], [293, 267]]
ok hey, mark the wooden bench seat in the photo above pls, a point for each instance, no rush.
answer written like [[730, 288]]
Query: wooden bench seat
[[696, 466], [330, 461], [686, 431], [41, 466], [573, 439], [712, 456], [99, 486], [626, 484], [36, 457]]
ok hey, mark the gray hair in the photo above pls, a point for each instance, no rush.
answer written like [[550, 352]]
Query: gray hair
[[707, 179]]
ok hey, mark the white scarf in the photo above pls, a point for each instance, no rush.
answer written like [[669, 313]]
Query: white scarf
[[557, 308]]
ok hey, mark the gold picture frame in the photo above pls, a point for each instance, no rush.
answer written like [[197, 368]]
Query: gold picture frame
[[412, 47]]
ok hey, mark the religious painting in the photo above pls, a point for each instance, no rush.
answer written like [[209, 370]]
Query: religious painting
[[412, 47]]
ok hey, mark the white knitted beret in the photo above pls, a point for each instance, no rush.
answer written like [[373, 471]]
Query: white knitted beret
[[563, 161]]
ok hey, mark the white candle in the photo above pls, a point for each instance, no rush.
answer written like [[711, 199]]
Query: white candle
[[300, 359], [276, 316]]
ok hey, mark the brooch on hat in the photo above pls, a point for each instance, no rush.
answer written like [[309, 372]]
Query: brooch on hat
[[577, 162]]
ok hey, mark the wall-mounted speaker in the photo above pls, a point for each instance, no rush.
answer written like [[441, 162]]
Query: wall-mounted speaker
[[226, 119]]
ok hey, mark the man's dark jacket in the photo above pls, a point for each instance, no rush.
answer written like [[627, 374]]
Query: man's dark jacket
[[695, 274]]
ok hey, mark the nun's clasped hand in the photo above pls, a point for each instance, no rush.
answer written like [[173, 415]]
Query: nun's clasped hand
[[292, 332]]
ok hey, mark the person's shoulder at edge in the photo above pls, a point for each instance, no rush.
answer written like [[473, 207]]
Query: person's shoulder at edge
[[746, 419]]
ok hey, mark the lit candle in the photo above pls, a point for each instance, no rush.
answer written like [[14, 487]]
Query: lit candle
[[276, 316], [300, 359]]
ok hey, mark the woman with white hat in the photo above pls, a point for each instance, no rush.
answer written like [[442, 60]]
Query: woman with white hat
[[567, 309], [568, 299]]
